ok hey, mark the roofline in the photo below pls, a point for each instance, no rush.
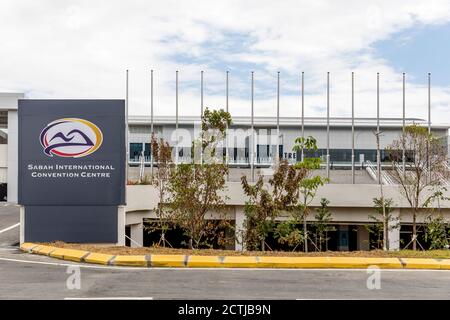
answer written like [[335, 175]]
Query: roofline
[[287, 121]]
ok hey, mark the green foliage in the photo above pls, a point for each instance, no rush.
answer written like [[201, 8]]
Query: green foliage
[[376, 227], [424, 171], [265, 204], [287, 232], [162, 155], [214, 127], [198, 188], [322, 222], [307, 188], [301, 143], [437, 232], [216, 120]]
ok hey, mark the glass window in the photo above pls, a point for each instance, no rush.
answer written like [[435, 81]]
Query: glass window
[[135, 151]]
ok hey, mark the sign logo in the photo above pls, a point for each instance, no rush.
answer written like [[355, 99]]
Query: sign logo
[[71, 138]]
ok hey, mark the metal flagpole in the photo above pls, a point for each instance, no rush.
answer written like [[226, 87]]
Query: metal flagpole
[[378, 128], [278, 117], [226, 132], [126, 126], [353, 127], [429, 123], [252, 134], [201, 115], [176, 117], [328, 125], [303, 113], [151, 121], [429, 102], [403, 125]]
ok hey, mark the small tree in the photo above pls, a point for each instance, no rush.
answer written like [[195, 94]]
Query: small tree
[[197, 189], [383, 221], [423, 174], [162, 154], [309, 185], [437, 232], [288, 233], [266, 202], [322, 225]]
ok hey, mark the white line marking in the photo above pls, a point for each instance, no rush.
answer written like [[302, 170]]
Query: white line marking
[[91, 266], [111, 298], [10, 227]]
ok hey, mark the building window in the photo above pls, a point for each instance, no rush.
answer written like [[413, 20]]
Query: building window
[[135, 151]]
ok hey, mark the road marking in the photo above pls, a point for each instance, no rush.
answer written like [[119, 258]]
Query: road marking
[[90, 266], [111, 298], [10, 227]]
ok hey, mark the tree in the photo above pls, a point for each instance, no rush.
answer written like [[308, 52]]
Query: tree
[[422, 176], [288, 233], [265, 203], [437, 232], [383, 221], [322, 225], [214, 126], [309, 185], [197, 188], [162, 154]]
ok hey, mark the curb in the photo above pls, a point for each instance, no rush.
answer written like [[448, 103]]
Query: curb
[[194, 261]]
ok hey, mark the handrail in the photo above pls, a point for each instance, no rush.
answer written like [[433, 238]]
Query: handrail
[[372, 170]]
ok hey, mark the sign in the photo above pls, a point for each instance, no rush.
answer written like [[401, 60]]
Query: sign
[[71, 174], [71, 152]]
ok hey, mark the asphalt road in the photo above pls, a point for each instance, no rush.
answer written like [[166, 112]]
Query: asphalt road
[[9, 218], [24, 276]]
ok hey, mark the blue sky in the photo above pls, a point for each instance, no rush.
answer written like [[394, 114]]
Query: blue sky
[[419, 50]]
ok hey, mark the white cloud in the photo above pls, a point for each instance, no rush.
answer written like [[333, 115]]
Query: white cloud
[[80, 49]]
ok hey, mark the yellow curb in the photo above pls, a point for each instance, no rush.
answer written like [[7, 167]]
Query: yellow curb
[[239, 262], [27, 246], [384, 263], [362, 263], [135, 261], [204, 262], [68, 254], [168, 260], [418, 263], [444, 264], [293, 262], [44, 250], [98, 258]]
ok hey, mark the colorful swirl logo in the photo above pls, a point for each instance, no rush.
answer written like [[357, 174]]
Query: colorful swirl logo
[[71, 138]]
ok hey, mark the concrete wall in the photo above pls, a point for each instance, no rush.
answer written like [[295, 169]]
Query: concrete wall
[[348, 203], [13, 153], [3, 163]]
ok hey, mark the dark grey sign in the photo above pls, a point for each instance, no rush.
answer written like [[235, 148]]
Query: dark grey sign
[[85, 224], [71, 152]]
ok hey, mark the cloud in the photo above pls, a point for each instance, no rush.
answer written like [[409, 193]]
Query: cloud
[[80, 49]]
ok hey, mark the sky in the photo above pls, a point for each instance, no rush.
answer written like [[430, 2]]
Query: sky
[[81, 49]]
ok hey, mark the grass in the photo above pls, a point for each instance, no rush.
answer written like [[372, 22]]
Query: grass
[[115, 250]]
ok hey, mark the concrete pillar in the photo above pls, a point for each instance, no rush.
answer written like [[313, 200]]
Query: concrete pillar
[[137, 235], [13, 154], [239, 220], [394, 233], [363, 238], [121, 215], [22, 225]]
